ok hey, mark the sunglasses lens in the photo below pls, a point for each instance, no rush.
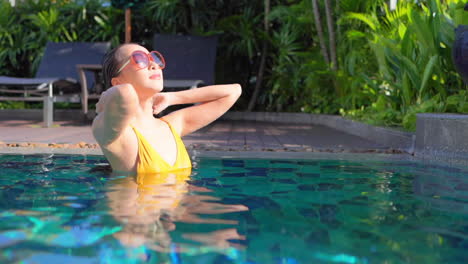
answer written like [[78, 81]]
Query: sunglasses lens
[[140, 59], [158, 59]]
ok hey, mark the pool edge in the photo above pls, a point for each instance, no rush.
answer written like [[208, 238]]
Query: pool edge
[[252, 155]]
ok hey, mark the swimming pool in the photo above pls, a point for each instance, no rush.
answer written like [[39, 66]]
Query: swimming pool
[[70, 209]]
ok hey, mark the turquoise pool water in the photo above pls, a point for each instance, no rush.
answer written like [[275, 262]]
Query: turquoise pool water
[[70, 209]]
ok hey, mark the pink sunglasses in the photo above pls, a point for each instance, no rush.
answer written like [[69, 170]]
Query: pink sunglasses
[[142, 60]]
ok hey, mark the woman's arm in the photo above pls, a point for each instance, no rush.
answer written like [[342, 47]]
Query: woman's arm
[[116, 107], [213, 101]]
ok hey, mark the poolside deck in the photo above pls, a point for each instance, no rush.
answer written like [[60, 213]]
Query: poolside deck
[[222, 135]]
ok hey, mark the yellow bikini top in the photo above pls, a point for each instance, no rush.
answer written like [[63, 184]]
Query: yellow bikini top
[[151, 162]]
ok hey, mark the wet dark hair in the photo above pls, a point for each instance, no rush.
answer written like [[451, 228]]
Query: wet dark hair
[[111, 64]]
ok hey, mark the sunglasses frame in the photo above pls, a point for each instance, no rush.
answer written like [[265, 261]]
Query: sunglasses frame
[[148, 56]]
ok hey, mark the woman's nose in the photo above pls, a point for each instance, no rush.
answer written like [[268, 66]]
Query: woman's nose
[[154, 65]]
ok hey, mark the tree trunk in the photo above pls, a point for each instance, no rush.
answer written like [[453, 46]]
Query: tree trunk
[[261, 69], [331, 34], [318, 27], [128, 25]]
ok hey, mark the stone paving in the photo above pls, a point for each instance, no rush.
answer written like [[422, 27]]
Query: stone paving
[[222, 135]]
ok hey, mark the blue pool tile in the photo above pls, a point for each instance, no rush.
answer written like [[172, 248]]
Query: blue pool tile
[[284, 181], [309, 212], [233, 174], [233, 163], [307, 187], [281, 170], [329, 186], [308, 175], [282, 162], [308, 163]]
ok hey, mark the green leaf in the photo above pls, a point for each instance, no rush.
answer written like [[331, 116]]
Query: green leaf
[[355, 34], [427, 74], [406, 92], [369, 20], [100, 21]]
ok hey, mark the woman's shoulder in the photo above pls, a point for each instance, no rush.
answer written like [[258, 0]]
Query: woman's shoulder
[[173, 123]]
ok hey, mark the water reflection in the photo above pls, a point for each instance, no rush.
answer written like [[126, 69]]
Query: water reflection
[[150, 206], [443, 191]]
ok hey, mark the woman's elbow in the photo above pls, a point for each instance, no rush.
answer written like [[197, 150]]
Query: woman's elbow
[[126, 91], [237, 90], [127, 98]]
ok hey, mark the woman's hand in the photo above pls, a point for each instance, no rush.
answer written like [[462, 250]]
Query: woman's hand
[[161, 101]]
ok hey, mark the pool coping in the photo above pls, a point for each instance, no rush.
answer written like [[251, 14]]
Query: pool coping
[[438, 137], [50, 150], [406, 142], [393, 138], [203, 153], [216, 154], [223, 154]]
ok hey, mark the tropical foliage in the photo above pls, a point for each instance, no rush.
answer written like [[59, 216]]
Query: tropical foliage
[[351, 57], [412, 47], [26, 28]]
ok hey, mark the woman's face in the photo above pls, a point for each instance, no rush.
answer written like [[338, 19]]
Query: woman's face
[[145, 80]]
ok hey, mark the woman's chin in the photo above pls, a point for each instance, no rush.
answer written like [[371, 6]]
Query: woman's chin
[[159, 89], [155, 88]]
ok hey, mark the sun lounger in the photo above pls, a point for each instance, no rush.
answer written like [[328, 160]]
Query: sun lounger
[[190, 60], [56, 79]]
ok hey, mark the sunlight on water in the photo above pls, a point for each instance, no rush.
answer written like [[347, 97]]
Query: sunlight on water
[[71, 209]]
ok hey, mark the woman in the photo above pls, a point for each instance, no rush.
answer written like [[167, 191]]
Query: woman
[[132, 140]]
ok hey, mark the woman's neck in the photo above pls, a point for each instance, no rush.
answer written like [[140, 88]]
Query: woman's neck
[[145, 107]]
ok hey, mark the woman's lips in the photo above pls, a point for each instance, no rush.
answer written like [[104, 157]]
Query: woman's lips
[[155, 77]]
